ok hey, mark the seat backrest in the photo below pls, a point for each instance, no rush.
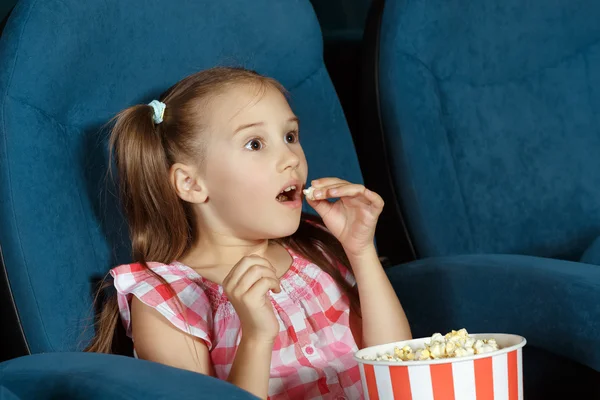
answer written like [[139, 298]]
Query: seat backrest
[[491, 115], [66, 67]]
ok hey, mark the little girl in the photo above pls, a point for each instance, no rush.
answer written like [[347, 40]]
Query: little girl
[[230, 278]]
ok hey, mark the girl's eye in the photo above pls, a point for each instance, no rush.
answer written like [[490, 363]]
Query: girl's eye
[[254, 145], [291, 137]]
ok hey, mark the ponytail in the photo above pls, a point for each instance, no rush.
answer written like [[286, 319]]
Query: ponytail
[[150, 203], [160, 227], [107, 324]]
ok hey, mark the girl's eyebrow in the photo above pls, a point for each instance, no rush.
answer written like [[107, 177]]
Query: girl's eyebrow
[[261, 123], [246, 126]]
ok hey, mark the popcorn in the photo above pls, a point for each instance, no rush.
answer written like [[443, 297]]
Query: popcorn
[[453, 344], [464, 352], [309, 193], [405, 353]]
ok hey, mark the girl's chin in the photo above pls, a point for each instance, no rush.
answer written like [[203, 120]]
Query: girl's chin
[[285, 228]]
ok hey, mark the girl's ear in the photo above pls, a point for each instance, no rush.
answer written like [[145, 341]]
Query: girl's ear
[[187, 183]]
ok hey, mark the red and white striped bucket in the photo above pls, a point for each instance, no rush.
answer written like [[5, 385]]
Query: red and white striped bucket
[[496, 375]]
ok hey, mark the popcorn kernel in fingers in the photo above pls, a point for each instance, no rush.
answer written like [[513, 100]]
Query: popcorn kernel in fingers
[[309, 193]]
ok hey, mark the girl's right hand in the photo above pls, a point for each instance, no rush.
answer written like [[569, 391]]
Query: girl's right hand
[[246, 286]]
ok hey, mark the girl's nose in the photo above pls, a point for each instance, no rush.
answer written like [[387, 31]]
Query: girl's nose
[[289, 160]]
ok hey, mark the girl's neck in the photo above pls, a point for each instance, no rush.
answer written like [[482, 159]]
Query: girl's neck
[[224, 251], [215, 263]]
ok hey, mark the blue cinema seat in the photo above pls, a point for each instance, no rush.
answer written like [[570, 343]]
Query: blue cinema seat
[[488, 112]]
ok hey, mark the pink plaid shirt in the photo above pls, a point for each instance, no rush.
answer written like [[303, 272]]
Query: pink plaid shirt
[[313, 354]]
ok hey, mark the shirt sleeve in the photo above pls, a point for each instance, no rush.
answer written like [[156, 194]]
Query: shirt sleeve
[[186, 306]]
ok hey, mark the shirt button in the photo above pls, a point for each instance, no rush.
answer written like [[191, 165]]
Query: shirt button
[[309, 350]]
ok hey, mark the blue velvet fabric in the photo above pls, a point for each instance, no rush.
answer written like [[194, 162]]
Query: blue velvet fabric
[[6, 394], [491, 113], [554, 304], [592, 254], [94, 376], [68, 66]]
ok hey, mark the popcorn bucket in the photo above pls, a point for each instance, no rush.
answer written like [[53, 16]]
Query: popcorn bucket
[[497, 375]]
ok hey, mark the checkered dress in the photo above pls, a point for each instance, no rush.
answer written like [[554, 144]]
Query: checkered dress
[[313, 354]]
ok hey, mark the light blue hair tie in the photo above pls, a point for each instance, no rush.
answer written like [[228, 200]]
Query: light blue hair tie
[[159, 110]]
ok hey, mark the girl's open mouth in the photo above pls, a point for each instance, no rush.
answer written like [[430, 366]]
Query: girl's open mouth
[[290, 193]]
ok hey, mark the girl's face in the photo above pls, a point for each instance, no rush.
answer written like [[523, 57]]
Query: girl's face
[[253, 156]]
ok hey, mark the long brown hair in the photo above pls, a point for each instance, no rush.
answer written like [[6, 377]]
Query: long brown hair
[[161, 225]]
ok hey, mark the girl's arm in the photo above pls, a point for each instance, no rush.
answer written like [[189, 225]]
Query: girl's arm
[[251, 366], [246, 286], [383, 318], [352, 220], [156, 339]]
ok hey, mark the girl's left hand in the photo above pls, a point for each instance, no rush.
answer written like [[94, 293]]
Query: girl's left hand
[[351, 219]]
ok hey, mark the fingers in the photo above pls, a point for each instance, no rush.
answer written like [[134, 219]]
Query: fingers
[[253, 275], [330, 187], [374, 198], [259, 288], [322, 207], [319, 193], [240, 269], [322, 182], [339, 190]]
